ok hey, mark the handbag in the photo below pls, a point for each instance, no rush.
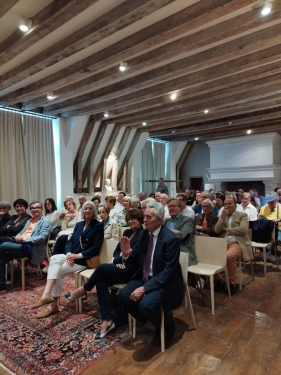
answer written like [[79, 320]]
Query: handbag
[[93, 262], [54, 233]]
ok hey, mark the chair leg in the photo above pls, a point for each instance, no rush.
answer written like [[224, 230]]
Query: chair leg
[[130, 323], [227, 282], [187, 297], [264, 260], [79, 300], [252, 269], [22, 274], [239, 270], [134, 327], [12, 272], [212, 293], [162, 331]]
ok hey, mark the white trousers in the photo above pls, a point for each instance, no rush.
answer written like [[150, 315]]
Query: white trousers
[[57, 269]]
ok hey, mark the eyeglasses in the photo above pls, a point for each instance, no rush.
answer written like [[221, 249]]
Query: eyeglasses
[[173, 206], [35, 208]]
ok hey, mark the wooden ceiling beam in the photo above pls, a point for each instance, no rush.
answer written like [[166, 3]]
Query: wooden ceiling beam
[[209, 74], [5, 6], [118, 18], [261, 76], [218, 123], [47, 20], [225, 52], [205, 37]]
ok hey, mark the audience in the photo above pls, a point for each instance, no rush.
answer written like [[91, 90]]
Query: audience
[[205, 223], [182, 226], [220, 200], [29, 242], [4, 212], [17, 222], [163, 201], [84, 243], [162, 188], [157, 197], [82, 199], [110, 202], [121, 270], [198, 207], [120, 217], [158, 281], [185, 210], [119, 206], [248, 208], [51, 212], [111, 228], [189, 198], [234, 226]]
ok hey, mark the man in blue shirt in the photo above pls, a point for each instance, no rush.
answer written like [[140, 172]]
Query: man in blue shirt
[[162, 188]]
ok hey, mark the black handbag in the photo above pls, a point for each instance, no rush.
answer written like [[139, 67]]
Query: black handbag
[[54, 233]]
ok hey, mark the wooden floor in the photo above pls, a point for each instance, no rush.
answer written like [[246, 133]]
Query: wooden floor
[[244, 337]]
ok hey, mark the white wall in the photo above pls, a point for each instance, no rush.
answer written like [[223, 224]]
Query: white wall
[[198, 164]]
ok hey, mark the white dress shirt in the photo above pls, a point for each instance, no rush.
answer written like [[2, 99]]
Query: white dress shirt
[[251, 211]]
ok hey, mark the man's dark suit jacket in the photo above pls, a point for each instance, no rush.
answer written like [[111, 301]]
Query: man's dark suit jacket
[[91, 238], [167, 274]]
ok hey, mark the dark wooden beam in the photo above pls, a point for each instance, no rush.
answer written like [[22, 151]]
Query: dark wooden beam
[[185, 45], [225, 52], [47, 20], [153, 93], [5, 6], [125, 14], [182, 162]]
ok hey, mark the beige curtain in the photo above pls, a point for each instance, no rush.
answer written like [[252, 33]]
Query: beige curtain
[[153, 165], [27, 163]]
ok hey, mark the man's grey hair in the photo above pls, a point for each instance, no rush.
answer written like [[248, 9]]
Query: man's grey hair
[[147, 200], [231, 195], [91, 204], [158, 208], [30, 204], [6, 204]]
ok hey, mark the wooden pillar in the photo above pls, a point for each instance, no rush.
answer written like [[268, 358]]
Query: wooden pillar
[[114, 175]]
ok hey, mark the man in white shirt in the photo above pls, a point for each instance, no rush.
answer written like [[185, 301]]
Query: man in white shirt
[[186, 210], [164, 200], [119, 206], [248, 208]]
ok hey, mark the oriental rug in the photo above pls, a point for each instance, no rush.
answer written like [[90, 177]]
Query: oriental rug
[[61, 344]]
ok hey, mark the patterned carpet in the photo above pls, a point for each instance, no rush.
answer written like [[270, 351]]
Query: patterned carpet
[[62, 344]]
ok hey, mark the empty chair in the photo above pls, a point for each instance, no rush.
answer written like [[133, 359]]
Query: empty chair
[[211, 257]]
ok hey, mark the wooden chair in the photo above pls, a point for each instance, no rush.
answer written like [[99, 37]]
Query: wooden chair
[[211, 258], [184, 258], [106, 255]]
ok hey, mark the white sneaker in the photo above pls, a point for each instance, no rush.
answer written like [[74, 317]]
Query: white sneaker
[[45, 269]]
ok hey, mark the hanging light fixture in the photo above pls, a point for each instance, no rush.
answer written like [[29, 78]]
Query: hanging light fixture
[[123, 66], [25, 25], [266, 9]]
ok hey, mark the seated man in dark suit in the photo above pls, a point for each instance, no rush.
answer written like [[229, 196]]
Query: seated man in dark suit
[[158, 280]]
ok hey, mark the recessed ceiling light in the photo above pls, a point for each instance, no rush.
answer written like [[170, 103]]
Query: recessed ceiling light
[[249, 131], [173, 132], [196, 139], [106, 114], [123, 66], [206, 111], [144, 124], [174, 96], [230, 123], [266, 9], [51, 96], [25, 25]]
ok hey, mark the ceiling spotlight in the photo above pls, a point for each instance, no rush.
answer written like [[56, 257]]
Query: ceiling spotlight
[[174, 96], [206, 111], [50, 95], [266, 9], [144, 124], [230, 123], [106, 114], [123, 66], [249, 131], [196, 139], [25, 25], [173, 132]]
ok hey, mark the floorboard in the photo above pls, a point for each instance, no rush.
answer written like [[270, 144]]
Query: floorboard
[[244, 337]]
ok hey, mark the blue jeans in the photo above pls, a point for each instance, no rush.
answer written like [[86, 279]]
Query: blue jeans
[[8, 252]]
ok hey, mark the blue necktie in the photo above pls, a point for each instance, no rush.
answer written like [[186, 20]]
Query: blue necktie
[[147, 260]]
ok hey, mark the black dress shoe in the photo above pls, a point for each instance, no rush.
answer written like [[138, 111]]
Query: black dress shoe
[[69, 296], [233, 289], [3, 289], [219, 286], [101, 335]]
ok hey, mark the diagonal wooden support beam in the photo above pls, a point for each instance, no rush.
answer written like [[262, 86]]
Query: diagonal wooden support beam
[[182, 162]]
